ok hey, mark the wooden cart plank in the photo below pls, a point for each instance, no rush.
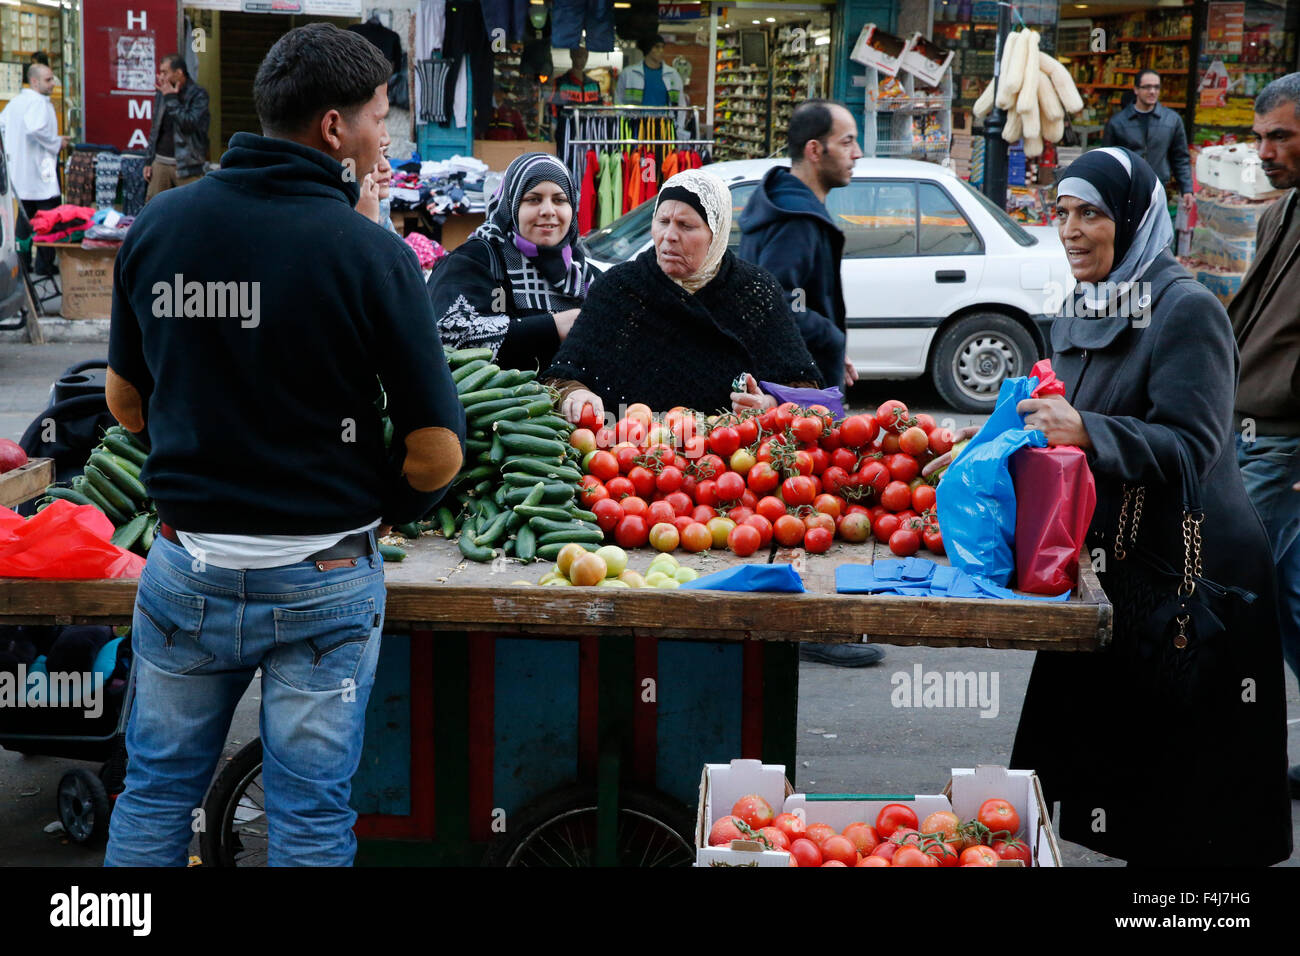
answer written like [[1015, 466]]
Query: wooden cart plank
[[26, 482]]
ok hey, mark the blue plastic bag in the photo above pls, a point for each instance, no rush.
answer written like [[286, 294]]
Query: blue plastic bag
[[977, 498], [750, 577]]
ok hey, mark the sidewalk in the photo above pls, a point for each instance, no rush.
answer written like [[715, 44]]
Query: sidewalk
[[26, 374]]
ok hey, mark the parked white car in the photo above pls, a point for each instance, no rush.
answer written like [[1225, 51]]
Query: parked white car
[[937, 279]]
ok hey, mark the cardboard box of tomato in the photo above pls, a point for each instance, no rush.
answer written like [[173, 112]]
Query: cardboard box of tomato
[[721, 785]]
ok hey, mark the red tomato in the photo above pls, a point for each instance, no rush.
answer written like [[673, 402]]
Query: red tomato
[[747, 431], [744, 540], [608, 513], [643, 479], [978, 856], [818, 832], [904, 542], [635, 505], [785, 413], [830, 439], [875, 475], [669, 480], [827, 505], [749, 500], [724, 831], [632, 531], [588, 417], [791, 825], [710, 466], [588, 495], [945, 854], [818, 520], [857, 430], [664, 537], [926, 422], [896, 496], [803, 462], [914, 441], [696, 537], [724, 440], [619, 487], [1013, 849], [818, 540], [764, 528], [835, 479], [885, 850], [681, 503], [770, 507], [806, 429], [906, 836], [894, 816], [903, 467], [776, 837], [763, 478], [789, 531], [664, 453], [854, 527], [932, 537], [873, 861], [740, 513], [821, 460], [843, 458], [754, 810], [629, 430], [884, 527], [863, 837], [942, 822], [889, 443], [693, 447], [841, 849], [729, 486], [806, 852], [660, 512], [702, 513], [627, 456], [998, 815], [940, 441], [682, 522], [798, 491], [891, 415], [923, 497], [911, 856], [706, 492], [605, 438]]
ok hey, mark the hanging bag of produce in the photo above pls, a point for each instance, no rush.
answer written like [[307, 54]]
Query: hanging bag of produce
[[977, 498], [1055, 498]]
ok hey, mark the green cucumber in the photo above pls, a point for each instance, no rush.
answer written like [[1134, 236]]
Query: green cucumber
[[586, 535], [509, 547], [491, 534], [505, 378], [130, 532], [476, 474], [102, 503], [69, 494], [484, 395], [128, 466], [476, 413], [551, 512], [522, 479], [466, 370], [541, 406], [544, 525], [110, 492], [518, 517], [527, 375], [475, 380], [488, 508], [146, 539], [555, 493], [551, 551], [533, 446], [526, 544], [484, 487], [541, 467], [447, 521], [475, 447], [581, 515], [462, 356], [120, 445], [561, 425], [513, 412], [391, 553], [499, 496], [530, 427], [409, 531], [474, 551], [497, 451], [128, 485]]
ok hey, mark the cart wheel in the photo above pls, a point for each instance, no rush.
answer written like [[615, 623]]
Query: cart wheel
[[83, 807], [560, 830], [234, 812]]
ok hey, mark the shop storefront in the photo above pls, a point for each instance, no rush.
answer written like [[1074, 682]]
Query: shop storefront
[[48, 32]]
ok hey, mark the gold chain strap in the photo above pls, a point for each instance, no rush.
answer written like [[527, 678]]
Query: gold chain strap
[[1139, 498], [1191, 554], [1120, 553]]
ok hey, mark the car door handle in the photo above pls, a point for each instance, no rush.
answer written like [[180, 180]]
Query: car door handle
[[950, 275]]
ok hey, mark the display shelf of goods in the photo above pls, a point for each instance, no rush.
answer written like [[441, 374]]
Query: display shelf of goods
[[740, 113]]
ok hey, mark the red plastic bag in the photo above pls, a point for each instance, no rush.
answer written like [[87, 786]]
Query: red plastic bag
[[1048, 383], [63, 541], [1055, 498]]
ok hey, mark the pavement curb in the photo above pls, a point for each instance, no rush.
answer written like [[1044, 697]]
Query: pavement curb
[[58, 329]]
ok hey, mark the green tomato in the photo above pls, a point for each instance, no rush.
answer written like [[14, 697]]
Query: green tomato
[[669, 583], [686, 574]]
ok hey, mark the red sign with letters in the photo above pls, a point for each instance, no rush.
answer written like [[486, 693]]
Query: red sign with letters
[[122, 43]]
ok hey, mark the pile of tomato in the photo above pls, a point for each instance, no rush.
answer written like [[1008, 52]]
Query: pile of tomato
[[739, 481], [896, 838]]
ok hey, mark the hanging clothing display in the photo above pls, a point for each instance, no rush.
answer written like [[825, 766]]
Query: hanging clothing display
[[108, 167], [430, 26], [466, 35], [511, 16], [570, 17]]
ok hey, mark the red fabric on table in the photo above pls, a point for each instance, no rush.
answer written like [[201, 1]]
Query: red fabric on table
[[1055, 499], [63, 541]]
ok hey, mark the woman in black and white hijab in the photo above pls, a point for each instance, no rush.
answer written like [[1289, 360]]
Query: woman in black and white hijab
[[1158, 718], [517, 284]]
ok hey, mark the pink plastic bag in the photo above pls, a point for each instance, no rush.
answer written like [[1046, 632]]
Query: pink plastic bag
[[1055, 498], [63, 541]]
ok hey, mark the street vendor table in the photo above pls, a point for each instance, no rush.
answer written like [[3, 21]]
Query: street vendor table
[[501, 710]]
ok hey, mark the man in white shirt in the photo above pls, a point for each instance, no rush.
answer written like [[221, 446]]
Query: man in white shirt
[[32, 144]]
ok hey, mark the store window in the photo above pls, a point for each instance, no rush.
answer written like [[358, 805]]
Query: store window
[[878, 218], [31, 30], [970, 30], [944, 231]]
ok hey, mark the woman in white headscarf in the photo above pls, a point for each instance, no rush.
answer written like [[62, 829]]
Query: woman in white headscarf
[[683, 321]]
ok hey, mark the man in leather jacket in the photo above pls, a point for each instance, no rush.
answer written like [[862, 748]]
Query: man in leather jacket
[[178, 141], [1155, 133]]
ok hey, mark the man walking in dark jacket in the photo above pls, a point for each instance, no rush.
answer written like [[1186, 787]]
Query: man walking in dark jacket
[[256, 318], [1155, 133], [786, 229], [178, 139]]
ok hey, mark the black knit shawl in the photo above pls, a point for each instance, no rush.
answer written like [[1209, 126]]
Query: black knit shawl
[[643, 338]]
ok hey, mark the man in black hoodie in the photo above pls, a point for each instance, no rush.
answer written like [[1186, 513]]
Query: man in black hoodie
[[256, 317], [786, 229]]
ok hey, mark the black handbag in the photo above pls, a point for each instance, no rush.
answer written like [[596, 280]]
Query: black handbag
[[1169, 627]]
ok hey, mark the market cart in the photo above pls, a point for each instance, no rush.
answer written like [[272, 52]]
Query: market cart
[[524, 724]]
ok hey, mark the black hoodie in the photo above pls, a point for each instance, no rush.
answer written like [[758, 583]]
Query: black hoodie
[[786, 229], [259, 391]]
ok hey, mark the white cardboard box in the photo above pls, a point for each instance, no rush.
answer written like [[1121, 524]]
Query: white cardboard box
[[1234, 168], [721, 785]]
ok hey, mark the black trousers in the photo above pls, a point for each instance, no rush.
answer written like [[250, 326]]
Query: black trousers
[[44, 256]]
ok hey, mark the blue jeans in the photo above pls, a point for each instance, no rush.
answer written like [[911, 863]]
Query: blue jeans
[[1270, 465], [199, 634]]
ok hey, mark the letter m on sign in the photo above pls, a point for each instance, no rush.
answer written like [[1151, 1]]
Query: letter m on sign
[[139, 109]]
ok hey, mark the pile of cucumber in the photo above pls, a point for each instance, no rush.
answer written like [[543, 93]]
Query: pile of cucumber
[[111, 483], [517, 490]]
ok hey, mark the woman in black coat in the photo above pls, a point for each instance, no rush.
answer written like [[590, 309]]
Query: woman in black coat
[[1168, 747]]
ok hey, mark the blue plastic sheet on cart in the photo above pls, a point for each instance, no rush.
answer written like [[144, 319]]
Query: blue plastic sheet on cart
[[750, 577], [920, 577]]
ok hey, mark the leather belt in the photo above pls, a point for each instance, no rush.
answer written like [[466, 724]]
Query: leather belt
[[343, 554]]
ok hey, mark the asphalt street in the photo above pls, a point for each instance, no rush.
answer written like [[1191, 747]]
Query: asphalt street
[[851, 736]]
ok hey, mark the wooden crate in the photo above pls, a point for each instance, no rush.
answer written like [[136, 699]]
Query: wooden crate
[[25, 483]]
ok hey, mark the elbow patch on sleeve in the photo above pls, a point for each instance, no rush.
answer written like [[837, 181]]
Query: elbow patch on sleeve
[[433, 457], [124, 402]]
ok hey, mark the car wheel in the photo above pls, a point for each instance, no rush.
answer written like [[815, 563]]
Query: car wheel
[[973, 356]]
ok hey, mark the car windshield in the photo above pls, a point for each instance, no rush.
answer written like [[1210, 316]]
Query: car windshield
[[624, 237], [1013, 228]]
